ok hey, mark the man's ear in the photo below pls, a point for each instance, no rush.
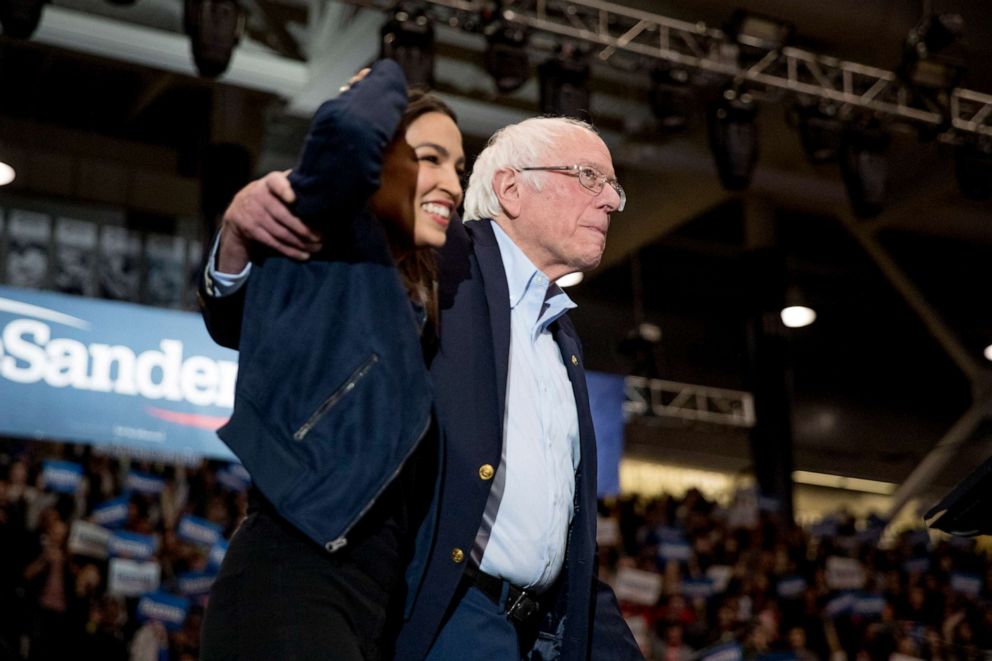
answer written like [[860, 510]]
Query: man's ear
[[506, 185]]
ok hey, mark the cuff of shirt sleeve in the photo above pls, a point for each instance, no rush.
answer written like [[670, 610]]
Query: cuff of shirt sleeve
[[220, 284]]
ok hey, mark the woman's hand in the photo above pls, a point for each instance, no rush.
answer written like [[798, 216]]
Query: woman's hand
[[258, 215]]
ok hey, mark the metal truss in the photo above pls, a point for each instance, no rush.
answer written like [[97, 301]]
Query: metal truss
[[620, 33], [670, 399]]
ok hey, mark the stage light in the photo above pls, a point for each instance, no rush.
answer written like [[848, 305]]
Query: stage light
[[672, 99], [20, 18], [7, 174], [819, 130], [934, 53], [733, 136], [563, 80], [506, 55], [988, 352], [569, 280], [408, 39], [214, 28], [864, 166], [757, 34], [797, 316], [973, 168]]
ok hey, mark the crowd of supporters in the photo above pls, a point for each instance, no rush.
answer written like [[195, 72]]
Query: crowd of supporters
[[696, 580], [732, 583]]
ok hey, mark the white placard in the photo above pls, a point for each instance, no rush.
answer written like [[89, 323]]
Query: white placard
[[607, 531], [131, 578], [637, 586], [844, 573], [88, 539]]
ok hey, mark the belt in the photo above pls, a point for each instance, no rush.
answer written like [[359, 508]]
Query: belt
[[523, 608]]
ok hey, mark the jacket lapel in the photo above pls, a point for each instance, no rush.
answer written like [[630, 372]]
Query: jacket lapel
[[498, 298]]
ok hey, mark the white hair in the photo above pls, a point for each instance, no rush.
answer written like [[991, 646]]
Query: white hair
[[525, 144]]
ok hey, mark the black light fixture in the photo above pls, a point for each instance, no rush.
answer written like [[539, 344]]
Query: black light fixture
[[563, 79], [20, 18], [864, 166], [733, 134], [214, 28], [973, 167], [758, 34], [819, 130], [672, 98], [934, 53], [408, 39], [506, 55]]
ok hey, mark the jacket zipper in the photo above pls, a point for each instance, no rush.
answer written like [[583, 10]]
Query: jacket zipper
[[335, 397], [342, 540]]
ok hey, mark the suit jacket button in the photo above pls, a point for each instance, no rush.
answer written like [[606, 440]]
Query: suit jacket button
[[486, 472], [575, 361], [457, 555]]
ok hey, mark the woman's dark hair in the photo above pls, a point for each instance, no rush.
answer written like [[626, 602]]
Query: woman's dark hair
[[419, 267]]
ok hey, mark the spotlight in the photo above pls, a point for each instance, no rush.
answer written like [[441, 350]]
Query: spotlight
[[797, 316], [864, 166], [7, 174], [20, 18], [214, 28], [672, 98], [408, 38], [934, 54], [506, 55], [563, 83], [988, 352], [733, 137], [973, 168], [819, 130], [757, 34]]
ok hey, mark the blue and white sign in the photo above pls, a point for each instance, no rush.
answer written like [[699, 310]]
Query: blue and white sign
[[680, 551], [234, 477], [217, 553], [132, 578], [162, 607], [145, 483], [696, 588], [840, 605], [60, 476], [726, 652], [791, 587], [132, 545], [966, 583], [825, 528], [198, 531], [868, 605], [88, 539], [669, 534], [195, 583], [118, 374], [112, 513]]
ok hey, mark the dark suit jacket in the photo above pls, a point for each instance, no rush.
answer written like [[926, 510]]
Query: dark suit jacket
[[469, 374]]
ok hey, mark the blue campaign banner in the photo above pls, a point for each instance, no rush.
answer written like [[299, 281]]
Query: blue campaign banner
[[825, 528], [112, 374], [791, 587], [217, 553], [112, 513], [725, 652], [198, 531], [145, 483], [669, 534], [132, 545], [61, 476], [840, 605], [194, 583], [166, 608], [606, 393]]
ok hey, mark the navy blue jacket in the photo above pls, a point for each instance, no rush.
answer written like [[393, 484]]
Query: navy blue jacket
[[332, 393], [469, 374]]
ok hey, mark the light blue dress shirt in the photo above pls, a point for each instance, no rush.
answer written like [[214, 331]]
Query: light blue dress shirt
[[526, 545]]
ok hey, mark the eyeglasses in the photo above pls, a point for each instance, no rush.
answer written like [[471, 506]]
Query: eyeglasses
[[589, 177]]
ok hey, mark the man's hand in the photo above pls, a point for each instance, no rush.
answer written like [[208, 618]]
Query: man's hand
[[258, 215]]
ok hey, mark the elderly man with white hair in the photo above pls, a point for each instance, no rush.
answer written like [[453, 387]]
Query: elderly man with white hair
[[505, 565]]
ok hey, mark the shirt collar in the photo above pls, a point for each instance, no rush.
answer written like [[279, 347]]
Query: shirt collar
[[523, 277]]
